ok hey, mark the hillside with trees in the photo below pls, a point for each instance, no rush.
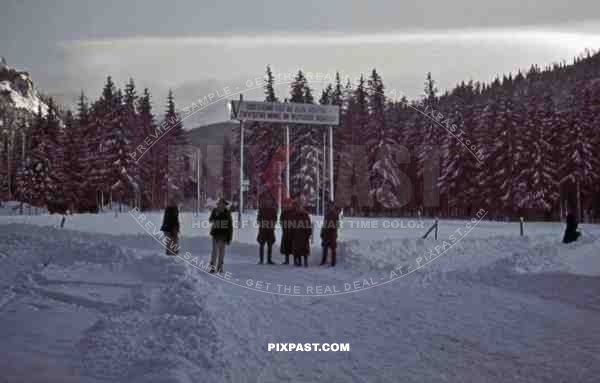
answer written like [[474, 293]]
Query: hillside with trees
[[91, 159], [523, 144]]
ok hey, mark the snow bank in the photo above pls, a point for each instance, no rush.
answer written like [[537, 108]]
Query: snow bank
[[134, 317], [112, 307]]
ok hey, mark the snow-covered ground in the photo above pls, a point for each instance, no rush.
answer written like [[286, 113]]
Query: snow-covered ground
[[99, 301]]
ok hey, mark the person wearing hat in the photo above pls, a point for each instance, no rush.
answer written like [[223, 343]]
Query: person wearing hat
[[170, 226], [221, 231], [329, 233], [267, 219], [286, 220], [301, 234], [571, 232]]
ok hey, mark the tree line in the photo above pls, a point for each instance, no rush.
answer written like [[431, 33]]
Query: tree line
[[522, 145], [82, 160]]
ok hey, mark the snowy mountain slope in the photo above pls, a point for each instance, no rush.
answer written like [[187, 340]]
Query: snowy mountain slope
[[17, 89]]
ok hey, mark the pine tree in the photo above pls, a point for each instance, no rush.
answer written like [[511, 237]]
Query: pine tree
[[452, 166], [306, 143], [12, 123], [538, 174], [337, 94], [298, 88], [262, 141], [121, 183], [382, 148], [460, 168], [352, 165], [176, 140], [578, 169], [431, 134], [486, 175], [135, 136], [86, 151], [326, 95], [72, 162], [104, 117], [270, 86], [37, 185], [149, 163]]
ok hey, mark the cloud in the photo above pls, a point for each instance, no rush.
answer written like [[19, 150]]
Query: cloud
[[528, 35], [196, 66]]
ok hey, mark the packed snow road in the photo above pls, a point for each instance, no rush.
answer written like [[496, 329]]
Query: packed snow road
[[93, 307]]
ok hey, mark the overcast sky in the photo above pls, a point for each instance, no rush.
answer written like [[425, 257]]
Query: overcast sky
[[198, 47]]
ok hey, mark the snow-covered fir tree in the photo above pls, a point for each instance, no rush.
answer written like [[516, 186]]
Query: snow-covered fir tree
[[176, 154], [306, 141], [382, 148]]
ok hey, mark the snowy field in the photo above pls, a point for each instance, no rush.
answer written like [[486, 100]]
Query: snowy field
[[98, 301]]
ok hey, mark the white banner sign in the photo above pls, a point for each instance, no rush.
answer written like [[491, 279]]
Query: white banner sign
[[287, 113]]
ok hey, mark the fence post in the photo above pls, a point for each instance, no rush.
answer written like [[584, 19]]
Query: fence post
[[521, 225], [433, 227]]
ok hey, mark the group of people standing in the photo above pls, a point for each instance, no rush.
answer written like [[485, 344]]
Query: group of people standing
[[297, 231]]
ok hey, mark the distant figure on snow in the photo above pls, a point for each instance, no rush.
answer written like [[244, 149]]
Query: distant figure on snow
[[170, 226], [301, 234], [329, 233], [221, 231], [286, 221], [267, 219], [571, 233]]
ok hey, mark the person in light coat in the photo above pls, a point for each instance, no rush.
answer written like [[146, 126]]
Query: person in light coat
[[221, 232]]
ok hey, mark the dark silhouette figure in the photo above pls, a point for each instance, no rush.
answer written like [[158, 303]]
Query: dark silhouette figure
[[170, 227], [267, 219], [571, 232], [329, 233], [286, 221], [301, 233]]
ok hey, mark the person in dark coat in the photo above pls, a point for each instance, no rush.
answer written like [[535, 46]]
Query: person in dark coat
[[286, 220], [329, 233], [170, 226], [221, 231], [571, 233], [267, 219], [301, 234]]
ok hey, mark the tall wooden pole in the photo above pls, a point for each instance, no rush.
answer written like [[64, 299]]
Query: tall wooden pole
[[287, 158], [331, 194], [241, 205], [324, 170], [197, 182]]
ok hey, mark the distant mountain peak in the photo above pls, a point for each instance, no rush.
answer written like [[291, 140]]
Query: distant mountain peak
[[18, 90]]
